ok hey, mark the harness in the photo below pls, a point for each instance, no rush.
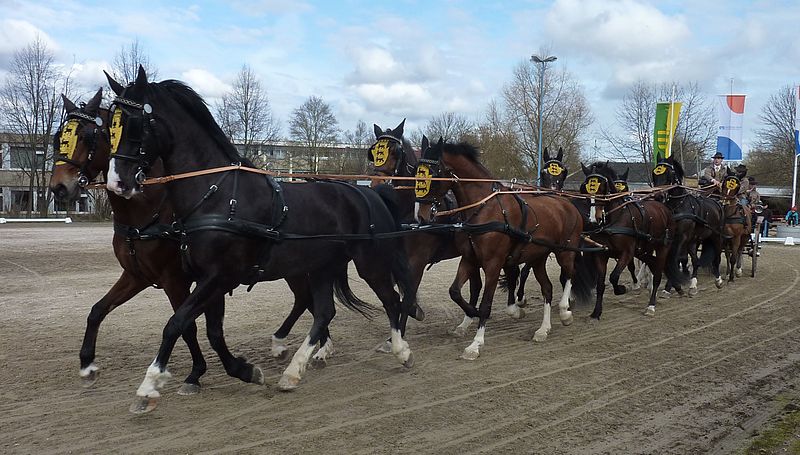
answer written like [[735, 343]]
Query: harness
[[66, 139]]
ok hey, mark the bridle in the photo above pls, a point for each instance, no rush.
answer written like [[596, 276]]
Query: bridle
[[379, 153], [139, 125], [427, 168], [554, 169], [66, 145]]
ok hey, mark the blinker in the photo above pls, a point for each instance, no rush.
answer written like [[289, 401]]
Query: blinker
[[422, 185]]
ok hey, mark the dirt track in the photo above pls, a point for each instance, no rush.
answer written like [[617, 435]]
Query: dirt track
[[698, 378]]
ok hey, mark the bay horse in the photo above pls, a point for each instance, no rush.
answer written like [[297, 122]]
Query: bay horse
[[504, 229], [738, 222], [239, 227], [698, 221], [143, 242], [629, 228]]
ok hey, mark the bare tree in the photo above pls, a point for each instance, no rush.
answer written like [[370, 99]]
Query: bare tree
[[127, 60], [245, 116], [695, 132], [313, 125], [354, 160], [565, 113], [498, 144], [30, 104], [450, 126], [772, 158]]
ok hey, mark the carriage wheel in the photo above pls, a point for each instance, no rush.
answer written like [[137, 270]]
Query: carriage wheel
[[756, 241]]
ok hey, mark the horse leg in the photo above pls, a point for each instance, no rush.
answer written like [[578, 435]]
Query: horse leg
[[302, 302], [657, 264], [566, 259], [540, 272], [634, 279], [324, 310], [716, 262], [177, 289], [601, 262], [512, 309], [522, 301], [124, 289], [492, 273], [466, 270], [622, 263], [207, 297]]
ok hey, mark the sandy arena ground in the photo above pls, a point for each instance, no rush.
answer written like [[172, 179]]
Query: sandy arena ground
[[700, 377]]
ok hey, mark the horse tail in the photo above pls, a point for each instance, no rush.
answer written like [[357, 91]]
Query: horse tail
[[345, 295], [675, 275], [585, 279], [401, 272], [706, 259]]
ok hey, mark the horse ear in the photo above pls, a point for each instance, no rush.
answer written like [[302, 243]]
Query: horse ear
[[141, 77], [560, 155], [546, 156], [93, 104], [441, 141], [115, 86], [398, 132], [377, 129], [585, 169], [625, 175], [69, 106], [425, 143]]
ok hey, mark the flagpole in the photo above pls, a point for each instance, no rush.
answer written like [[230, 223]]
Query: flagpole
[[796, 144], [794, 180]]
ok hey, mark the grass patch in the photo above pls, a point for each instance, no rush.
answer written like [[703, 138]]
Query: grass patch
[[782, 435]]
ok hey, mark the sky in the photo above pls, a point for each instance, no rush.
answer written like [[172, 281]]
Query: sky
[[380, 61]]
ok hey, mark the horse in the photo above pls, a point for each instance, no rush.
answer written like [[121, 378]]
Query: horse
[[629, 228], [393, 156], [286, 230], [698, 221], [737, 227], [143, 241], [505, 229]]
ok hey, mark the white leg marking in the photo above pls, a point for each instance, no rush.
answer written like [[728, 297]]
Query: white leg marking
[[693, 283], [541, 333], [400, 346], [515, 311], [324, 351], [650, 311], [472, 351], [154, 380], [461, 329], [86, 372], [278, 346], [299, 361], [563, 305]]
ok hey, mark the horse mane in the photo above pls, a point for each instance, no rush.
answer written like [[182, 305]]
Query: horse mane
[[678, 170], [408, 151], [468, 151], [605, 170], [197, 107]]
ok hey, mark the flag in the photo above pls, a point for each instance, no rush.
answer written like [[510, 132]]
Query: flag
[[666, 121], [730, 109], [797, 123]]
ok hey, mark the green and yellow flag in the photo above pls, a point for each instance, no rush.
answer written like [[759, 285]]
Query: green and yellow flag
[[666, 121]]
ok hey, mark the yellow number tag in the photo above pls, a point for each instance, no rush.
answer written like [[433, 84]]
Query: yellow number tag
[[422, 187], [554, 169], [621, 186], [731, 184], [592, 185], [660, 169], [380, 152], [68, 141], [115, 130]]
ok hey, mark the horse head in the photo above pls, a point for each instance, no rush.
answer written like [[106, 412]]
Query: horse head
[[600, 178], [429, 193], [621, 184], [81, 145], [391, 155], [553, 172], [731, 184]]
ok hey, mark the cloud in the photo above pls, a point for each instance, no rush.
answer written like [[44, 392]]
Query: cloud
[[15, 35], [205, 83]]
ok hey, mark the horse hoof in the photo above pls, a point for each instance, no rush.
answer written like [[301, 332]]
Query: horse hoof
[[317, 363], [738, 273], [665, 294], [90, 379], [459, 332], [636, 287], [257, 376], [692, 292], [470, 355], [594, 321], [515, 312], [384, 347], [540, 336], [280, 356], [409, 361], [523, 302], [718, 282], [189, 389], [650, 311], [418, 314], [620, 290], [567, 320], [143, 405], [288, 383]]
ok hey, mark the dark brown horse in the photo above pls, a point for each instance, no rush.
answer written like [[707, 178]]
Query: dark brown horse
[[504, 229], [628, 228], [737, 228]]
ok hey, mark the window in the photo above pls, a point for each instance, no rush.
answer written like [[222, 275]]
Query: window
[[20, 200], [22, 158], [62, 205], [83, 203]]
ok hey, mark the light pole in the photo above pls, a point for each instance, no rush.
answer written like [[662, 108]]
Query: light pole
[[542, 61]]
